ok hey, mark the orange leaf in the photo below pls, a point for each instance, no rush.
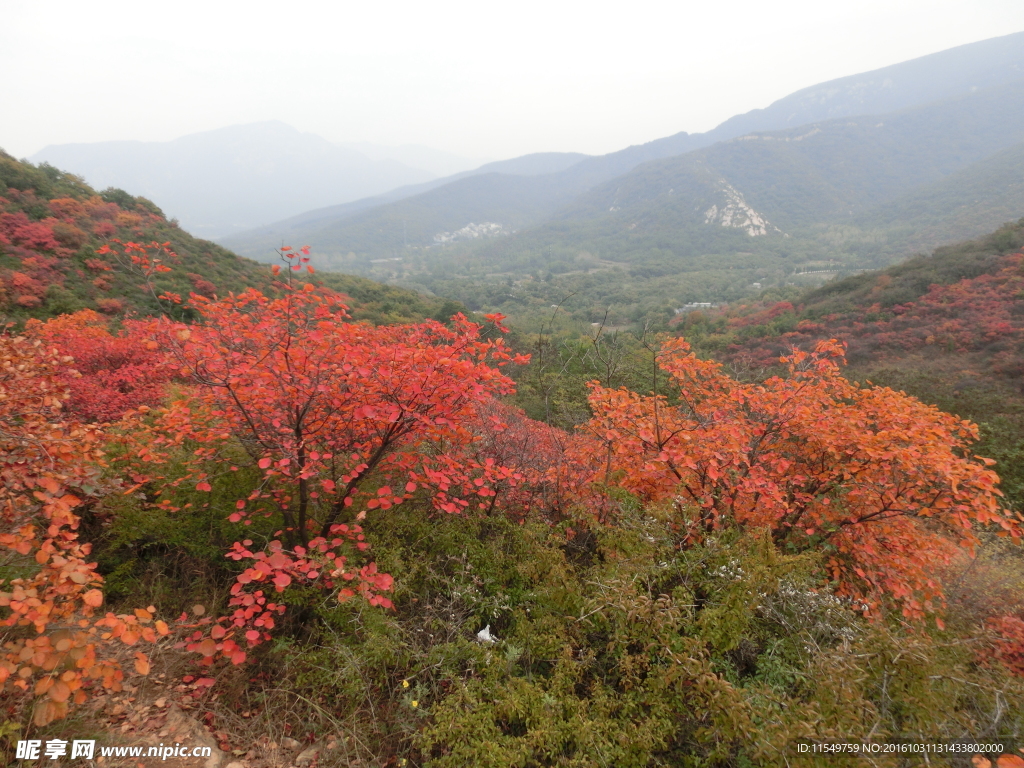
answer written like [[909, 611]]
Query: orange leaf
[[60, 692], [45, 712], [207, 647]]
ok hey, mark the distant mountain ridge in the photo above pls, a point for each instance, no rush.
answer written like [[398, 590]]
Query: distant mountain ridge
[[234, 178], [823, 171], [769, 207], [368, 226], [934, 77], [536, 164]]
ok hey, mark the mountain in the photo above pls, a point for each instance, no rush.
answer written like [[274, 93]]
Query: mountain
[[962, 300], [934, 77], [778, 182], [512, 203], [454, 203], [965, 204], [235, 178], [53, 227], [795, 207]]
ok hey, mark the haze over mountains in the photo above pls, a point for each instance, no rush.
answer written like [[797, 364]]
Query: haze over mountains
[[537, 164], [801, 178], [432, 160], [242, 176]]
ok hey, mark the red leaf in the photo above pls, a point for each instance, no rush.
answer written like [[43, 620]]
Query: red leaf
[[281, 581]]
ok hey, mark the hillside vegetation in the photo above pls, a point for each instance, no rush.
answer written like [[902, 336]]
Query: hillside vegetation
[[417, 573], [52, 230], [947, 328], [52, 226]]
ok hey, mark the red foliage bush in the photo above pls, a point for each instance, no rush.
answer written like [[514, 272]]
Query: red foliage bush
[[68, 209], [1009, 643], [345, 418], [880, 483], [118, 372], [69, 236], [104, 228], [202, 286], [108, 306], [19, 229], [58, 648]]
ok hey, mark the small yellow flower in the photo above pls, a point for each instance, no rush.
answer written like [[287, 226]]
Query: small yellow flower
[[405, 683], [415, 703]]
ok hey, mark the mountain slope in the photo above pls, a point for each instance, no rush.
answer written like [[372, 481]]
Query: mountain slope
[[962, 299], [947, 328], [965, 204], [763, 208], [52, 229], [934, 77], [234, 178], [942, 75], [788, 208], [823, 171], [319, 226], [512, 201]]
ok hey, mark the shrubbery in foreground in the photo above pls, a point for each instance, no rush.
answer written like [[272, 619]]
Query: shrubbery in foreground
[[696, 578]]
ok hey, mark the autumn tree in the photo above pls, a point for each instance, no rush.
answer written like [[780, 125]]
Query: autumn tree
[[336, 418], [883, 486]]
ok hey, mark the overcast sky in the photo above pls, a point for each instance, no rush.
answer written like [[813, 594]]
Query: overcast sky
[[478, 79]]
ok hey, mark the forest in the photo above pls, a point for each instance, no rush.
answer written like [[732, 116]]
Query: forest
[[316, 521]]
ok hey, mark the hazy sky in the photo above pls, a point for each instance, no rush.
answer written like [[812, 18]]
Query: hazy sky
[[474, 78]]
